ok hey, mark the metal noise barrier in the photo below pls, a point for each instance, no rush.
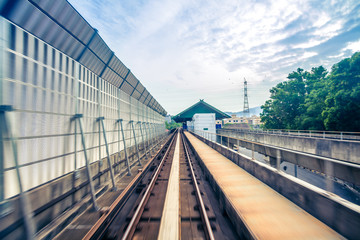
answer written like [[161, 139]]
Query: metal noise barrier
[[46, 89]]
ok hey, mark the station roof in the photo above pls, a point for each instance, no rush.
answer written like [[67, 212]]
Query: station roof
[[199, 107]]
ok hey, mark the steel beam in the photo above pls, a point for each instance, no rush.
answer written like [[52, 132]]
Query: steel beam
[[101, 121], [6, 133], [92, 190], [125, 149]]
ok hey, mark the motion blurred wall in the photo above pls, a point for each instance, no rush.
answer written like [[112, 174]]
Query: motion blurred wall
[[55, 65]]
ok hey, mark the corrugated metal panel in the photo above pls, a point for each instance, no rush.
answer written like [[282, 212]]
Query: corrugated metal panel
[[145, 94], [118, 66], [127, 88], [132, 79], [60, 25], [136, 95], [154, 104], [123, 70], [92, 62], [112, 77], [142, 99], [151, 103], [140, 88], [20, 11], [157, 106], [149, 98], [74, 23], [99, 47]]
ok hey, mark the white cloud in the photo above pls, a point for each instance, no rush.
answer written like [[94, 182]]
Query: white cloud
[[329, 30], [353, 46], [189, 48]]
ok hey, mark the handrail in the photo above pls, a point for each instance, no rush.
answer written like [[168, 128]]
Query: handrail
[[303, 133]]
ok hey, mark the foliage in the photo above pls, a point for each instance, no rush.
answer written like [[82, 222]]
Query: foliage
[[172, 125], [317, 100]]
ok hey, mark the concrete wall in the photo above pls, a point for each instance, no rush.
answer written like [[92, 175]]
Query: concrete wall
[[337, 149], [339, 214], [345, 171]]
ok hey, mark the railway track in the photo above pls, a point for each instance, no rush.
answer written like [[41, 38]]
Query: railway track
[[171, 200]]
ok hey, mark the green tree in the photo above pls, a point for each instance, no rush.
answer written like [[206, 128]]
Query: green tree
[[316, 92], [286, 102], [172, 125], [317, 100], [343, 101]]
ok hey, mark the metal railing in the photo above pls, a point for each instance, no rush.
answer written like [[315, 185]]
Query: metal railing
[[354, 136]]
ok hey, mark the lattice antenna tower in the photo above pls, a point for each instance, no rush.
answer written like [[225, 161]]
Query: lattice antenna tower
[[246, 110]]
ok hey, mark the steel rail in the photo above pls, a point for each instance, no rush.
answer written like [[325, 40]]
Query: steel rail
[[139, 210], [98, 229], [204, 216]]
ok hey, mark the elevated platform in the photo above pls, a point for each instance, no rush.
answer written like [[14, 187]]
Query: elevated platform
[[257, 210]]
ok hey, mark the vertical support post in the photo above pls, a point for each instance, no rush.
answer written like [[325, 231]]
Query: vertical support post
[[3, 133], [130, 114], [92, 190], [154, 129], [238, 145], [136, 146], [252, 151], [228, 145], [6, 132], [77, 74], [100, 113], [147, 136], [295, 170], [329, 170], [125, 149], [323, 134], [220, 139], [341, 136], [118, 142], [150, 137], [143, 140], [278, 159], [101, 120], [154, 133]]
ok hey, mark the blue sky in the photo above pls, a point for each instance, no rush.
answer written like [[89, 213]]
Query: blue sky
[[184, 50]]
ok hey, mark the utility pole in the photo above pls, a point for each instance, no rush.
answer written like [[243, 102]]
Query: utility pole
[[246, 110]]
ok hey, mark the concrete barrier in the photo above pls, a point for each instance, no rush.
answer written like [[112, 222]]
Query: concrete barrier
[[337, 149], [346, 171], [337, 213]]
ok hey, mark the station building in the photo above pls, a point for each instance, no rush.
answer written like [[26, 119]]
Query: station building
[[200, 107]]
